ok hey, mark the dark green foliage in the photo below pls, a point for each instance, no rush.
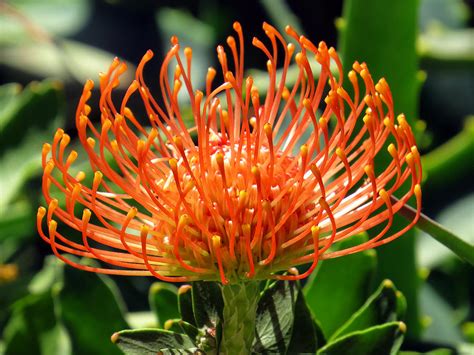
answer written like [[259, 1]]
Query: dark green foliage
[[163, 301]]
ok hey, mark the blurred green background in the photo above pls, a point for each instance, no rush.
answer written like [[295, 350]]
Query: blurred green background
[[49, 48]]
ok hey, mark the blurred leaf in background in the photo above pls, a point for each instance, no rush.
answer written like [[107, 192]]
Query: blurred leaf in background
[[28, 118]]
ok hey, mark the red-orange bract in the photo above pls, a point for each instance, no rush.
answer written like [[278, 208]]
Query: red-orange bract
[[258, 184]]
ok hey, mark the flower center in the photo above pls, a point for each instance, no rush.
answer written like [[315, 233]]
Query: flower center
[[243, 195]]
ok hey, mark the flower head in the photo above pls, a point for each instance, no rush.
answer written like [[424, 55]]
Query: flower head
[[261, 181]]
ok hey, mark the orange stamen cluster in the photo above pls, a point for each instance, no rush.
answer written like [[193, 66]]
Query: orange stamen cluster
[[259, 183]]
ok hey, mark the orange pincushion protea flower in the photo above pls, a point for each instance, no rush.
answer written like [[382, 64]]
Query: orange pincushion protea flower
[[256, 186]]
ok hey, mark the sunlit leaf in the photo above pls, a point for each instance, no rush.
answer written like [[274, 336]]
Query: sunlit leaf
[[275, 318], [29, 20], [64, 59], [381, 339], [340, 286]]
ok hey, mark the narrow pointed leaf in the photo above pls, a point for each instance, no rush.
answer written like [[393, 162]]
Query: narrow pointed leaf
[[83, 299], [163, 298], [185, 304], [340, 286], [383, 306], [151, 341], [383, 339]]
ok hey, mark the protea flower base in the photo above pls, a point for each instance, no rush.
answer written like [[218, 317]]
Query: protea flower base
[[239, 313]]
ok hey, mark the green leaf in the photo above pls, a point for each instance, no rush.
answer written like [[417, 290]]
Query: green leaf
[[185, 304], [163, 298], [27, 121], [441, 351], [180, 326], [447, 47], [175, 22], [392, 27], [144, 319], [50, 274], [67, 60], [446, 164], [207, 304], [340, 286], [443, 324], [151, 341], [10, 293], [281, 15], [91, 310], [383, 339], [451, 13], [59, 17], [8, 96], [33, 328], [307, 336], [383, 306], [16, 224], [189, 329], [275, 317]]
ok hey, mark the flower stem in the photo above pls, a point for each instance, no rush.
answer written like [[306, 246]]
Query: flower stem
[[240, 308], [458, 246]]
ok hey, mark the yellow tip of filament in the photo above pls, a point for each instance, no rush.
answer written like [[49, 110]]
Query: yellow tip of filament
[[52, 226], [41, 212], [340, 153], [188, 52], [220, 159], [369, 170], [417, 191], [267, 127], [216, 242], [304, 150], [144, 231], [173, 163], [255, 171], [392, 150], [384, 195], [86, 215]]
